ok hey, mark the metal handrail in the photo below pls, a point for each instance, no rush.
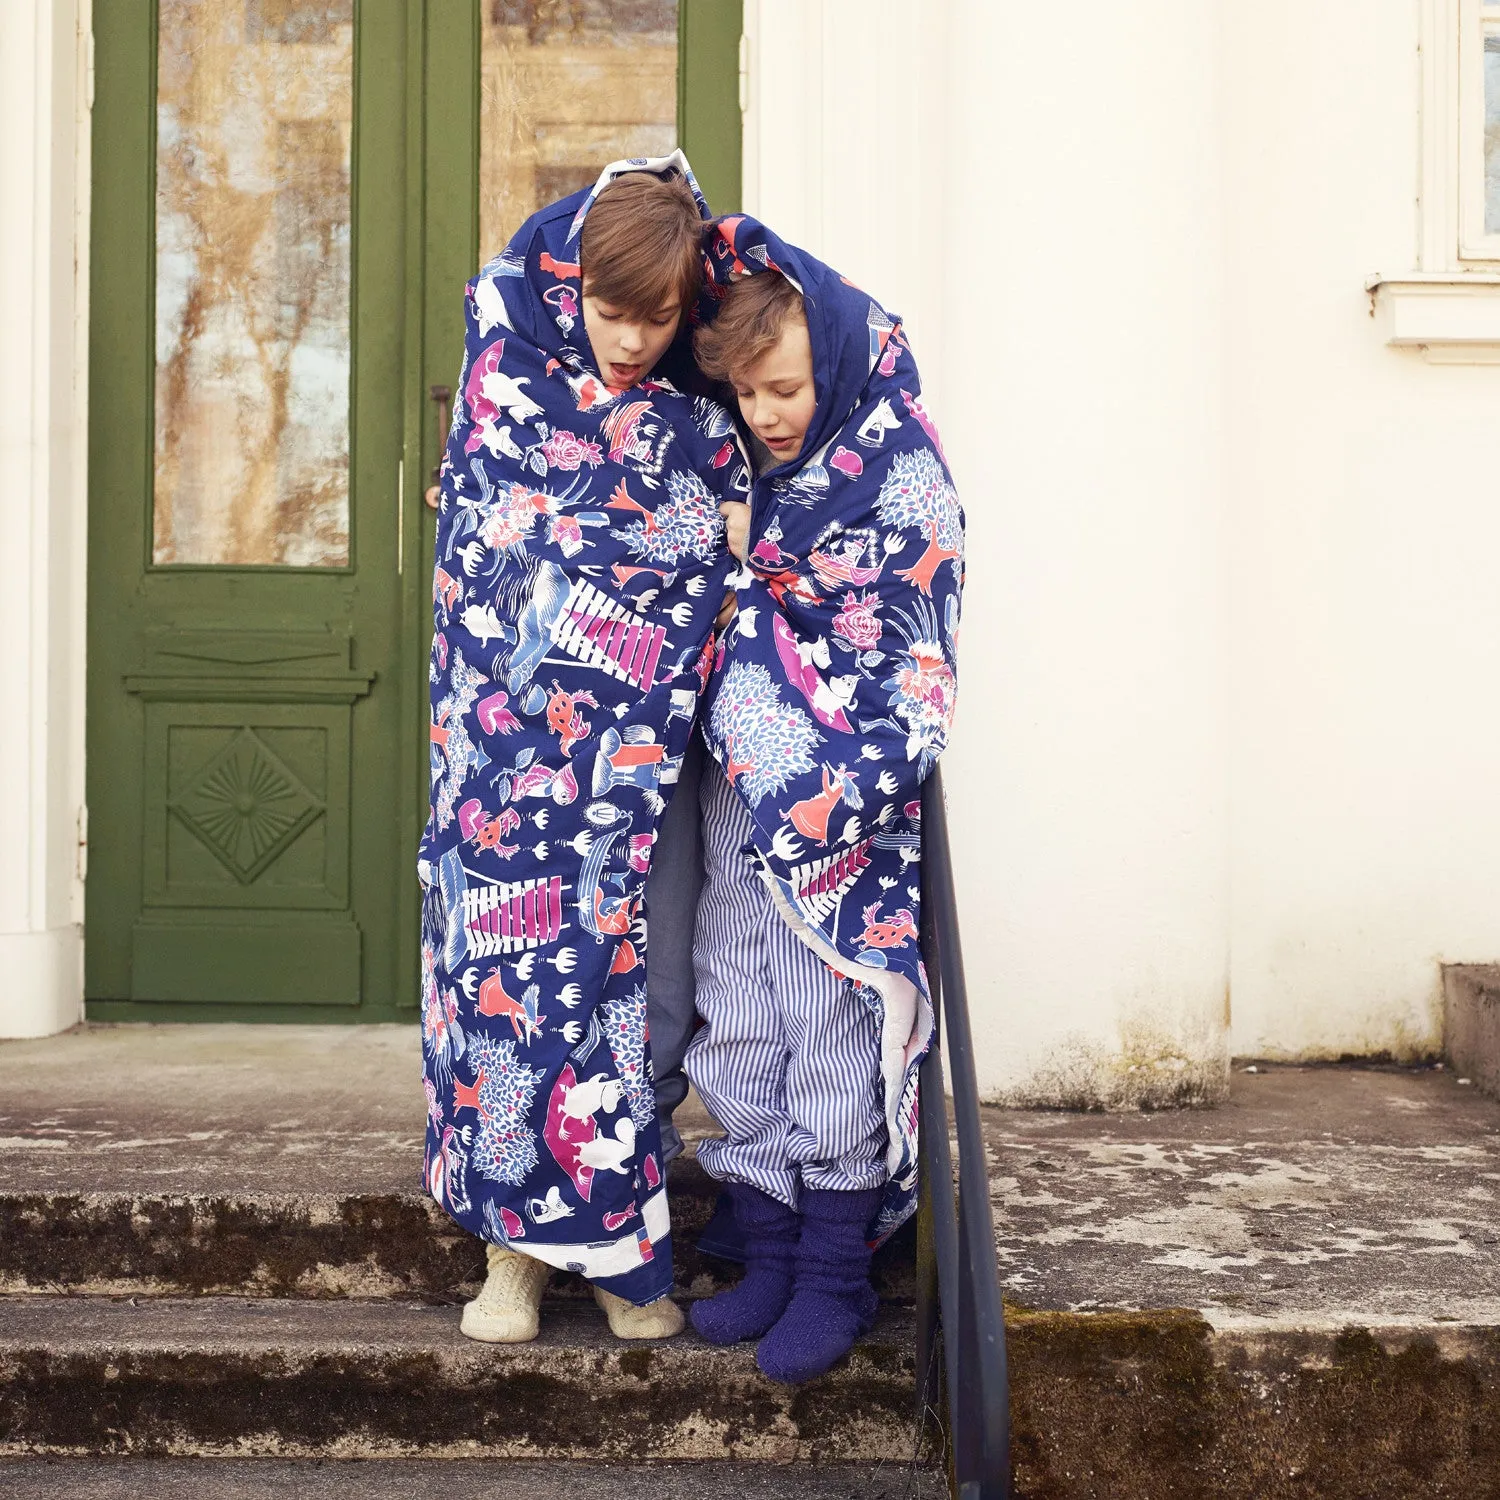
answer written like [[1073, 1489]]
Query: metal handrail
[[958, 1280]]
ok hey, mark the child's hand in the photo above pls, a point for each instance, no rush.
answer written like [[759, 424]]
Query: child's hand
[[736, 527], [727, 609]]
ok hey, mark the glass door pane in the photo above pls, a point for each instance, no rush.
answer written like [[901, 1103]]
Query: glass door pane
[[254, 111], [568, 86]]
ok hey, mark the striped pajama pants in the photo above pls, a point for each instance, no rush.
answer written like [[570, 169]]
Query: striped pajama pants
[[788, 1060]]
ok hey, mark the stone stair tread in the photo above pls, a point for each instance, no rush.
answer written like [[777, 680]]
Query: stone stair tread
[[217, 1108], [1297, 1294], [307, 1327], [1311, 1188], [384, 1379], [1132, 1405], [481, 1479], [323, 1245]]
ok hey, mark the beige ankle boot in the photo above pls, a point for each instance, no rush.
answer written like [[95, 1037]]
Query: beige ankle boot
[[508, 1309], [656, 1320]]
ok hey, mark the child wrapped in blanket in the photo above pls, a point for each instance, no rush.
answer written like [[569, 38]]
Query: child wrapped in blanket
[[529, 1080], [809, 1071]]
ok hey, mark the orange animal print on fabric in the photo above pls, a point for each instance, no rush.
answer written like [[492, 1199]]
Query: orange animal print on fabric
[[810, 817], [563, 718]]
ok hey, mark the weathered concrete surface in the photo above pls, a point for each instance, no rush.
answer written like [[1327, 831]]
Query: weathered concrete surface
[[307, 1183], [319, 1111], [333, 1110], [257, 1160], [1315, 1198], [1134, 1406], [361, 1245], [1295, 1295], [471, 1479], [286, 1161], [1126, 1406], [381, 1379], [1471, 1022]]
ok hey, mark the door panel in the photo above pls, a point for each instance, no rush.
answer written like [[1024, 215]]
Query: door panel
[[247, 693], [247, 807], [708, 97], [567, 88]]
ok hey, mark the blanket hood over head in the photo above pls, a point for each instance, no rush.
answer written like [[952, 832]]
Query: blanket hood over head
[[833, 690], [549, 312], [580, 564]]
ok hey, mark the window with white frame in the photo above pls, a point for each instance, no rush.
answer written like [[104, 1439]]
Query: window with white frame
[[1460, 228], [1479, 130], [1448, 305]]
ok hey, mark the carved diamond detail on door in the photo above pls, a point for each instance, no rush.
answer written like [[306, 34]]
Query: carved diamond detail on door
[[246, 806]]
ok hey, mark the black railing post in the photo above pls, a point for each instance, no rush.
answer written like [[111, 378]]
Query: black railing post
[[937, 1165], [972, 1311], [929, 1321]]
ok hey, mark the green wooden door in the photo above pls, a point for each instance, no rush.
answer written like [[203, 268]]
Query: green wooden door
[[286, 203], [247, 700]]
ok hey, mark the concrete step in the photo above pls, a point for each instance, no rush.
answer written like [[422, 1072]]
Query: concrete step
[[1293, 1297], [474, 1479], [1471, 1022], [1131, 1406], [357, 1244], [259, 1161], [289, 1379], [1135, 1406]]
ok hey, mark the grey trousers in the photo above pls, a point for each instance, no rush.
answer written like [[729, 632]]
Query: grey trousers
[[672, 891]]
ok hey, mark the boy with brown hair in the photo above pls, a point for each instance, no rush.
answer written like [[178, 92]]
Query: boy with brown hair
[[830, 699], [788, 1061], [546, 1168], [642, 261]]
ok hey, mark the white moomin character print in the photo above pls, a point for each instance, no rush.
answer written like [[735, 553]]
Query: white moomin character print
[[604, 1154]]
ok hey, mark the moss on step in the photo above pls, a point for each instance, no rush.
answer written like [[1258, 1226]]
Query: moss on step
[[361, 1245], [336, 1381], [1137, 1405], [367, 1245]]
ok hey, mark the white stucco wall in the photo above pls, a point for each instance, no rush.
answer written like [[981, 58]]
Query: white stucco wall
[[1365, 484], [43, 435], [1227, 711], [1049, 218]]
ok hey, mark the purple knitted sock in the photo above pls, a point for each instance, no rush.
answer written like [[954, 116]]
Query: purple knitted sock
[[833, 1304], [748, 1309]]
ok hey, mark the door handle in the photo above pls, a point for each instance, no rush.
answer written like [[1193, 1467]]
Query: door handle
[[440, 396]]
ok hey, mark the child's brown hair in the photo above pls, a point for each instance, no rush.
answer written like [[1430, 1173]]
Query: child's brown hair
[[643, 244], [754, 311]]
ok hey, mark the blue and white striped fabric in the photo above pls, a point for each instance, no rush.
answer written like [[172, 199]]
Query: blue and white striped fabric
[[788, 1061]]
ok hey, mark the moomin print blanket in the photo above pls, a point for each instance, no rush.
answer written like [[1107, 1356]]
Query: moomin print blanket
[[580, 564], [833, 690]]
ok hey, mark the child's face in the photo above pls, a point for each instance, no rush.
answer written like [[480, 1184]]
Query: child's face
[[776, 393], [628, 344]]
